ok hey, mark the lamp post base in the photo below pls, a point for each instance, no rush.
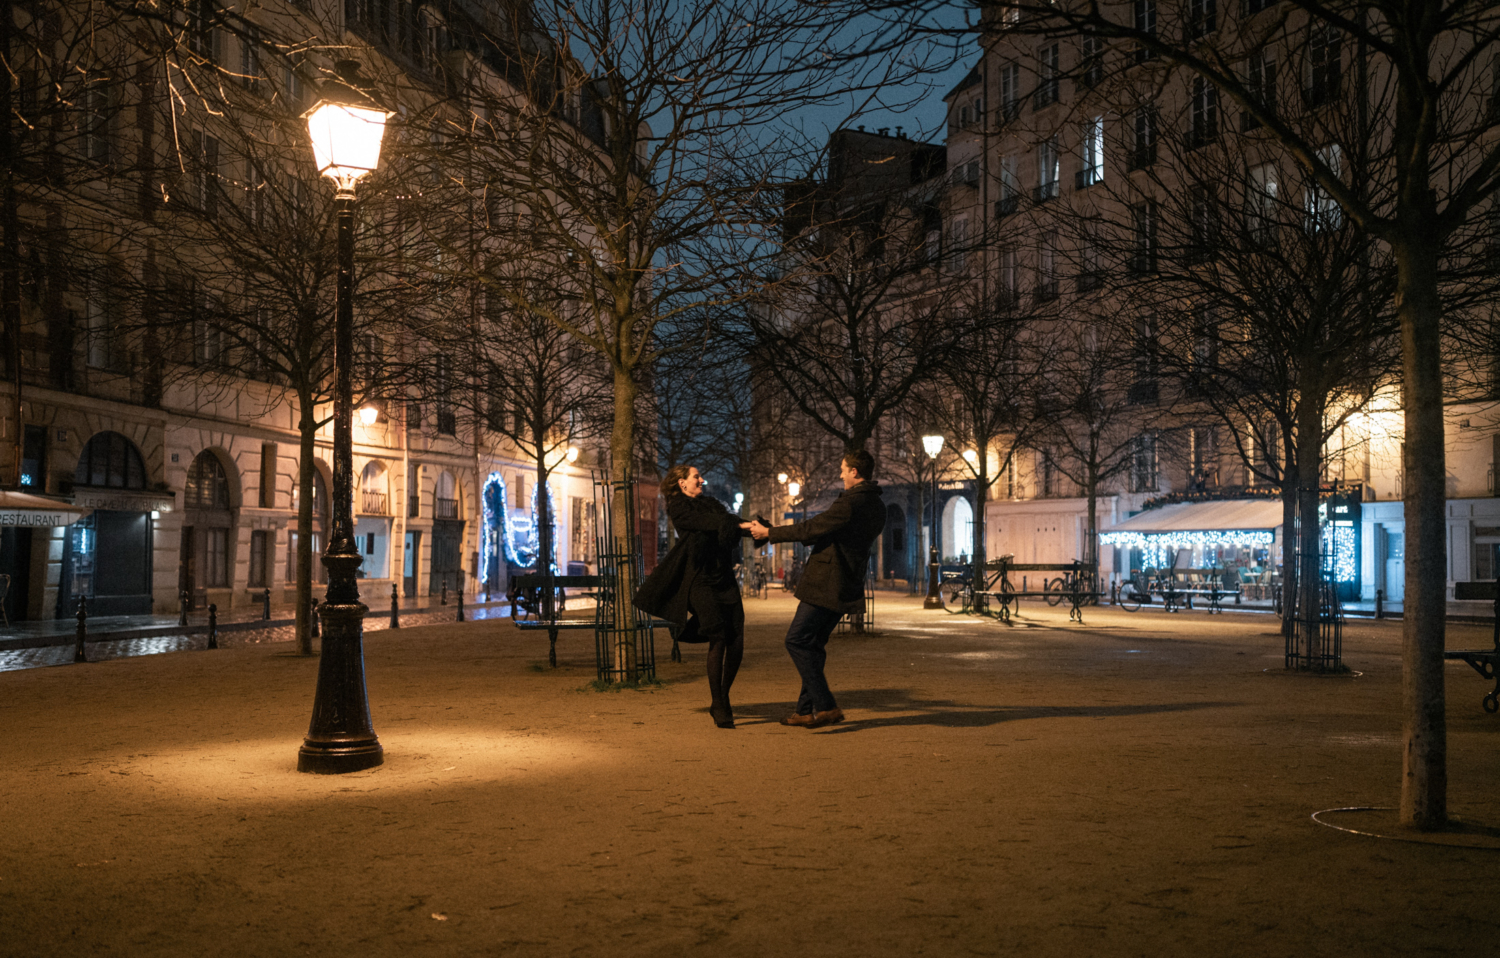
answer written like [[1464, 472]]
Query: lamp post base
[[341, 738], [933, 600]]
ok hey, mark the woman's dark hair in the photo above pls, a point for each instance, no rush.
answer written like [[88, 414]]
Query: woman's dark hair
[[669, 482]]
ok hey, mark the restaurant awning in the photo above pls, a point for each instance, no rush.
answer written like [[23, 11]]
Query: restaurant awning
[[1242, 515], [25, 509]]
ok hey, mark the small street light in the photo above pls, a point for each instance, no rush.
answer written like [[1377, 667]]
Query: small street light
[[346, 128], [369, 414], [933, 445]]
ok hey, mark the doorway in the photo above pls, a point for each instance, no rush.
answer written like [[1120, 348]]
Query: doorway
[[410, 564]]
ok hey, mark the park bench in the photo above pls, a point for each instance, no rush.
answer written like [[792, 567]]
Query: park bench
[[1075, 585], [1484, 661], [1204, 582], [538, 602]]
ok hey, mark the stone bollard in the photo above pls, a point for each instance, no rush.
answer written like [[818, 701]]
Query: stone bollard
[[83, 630], [460, 602], [315, 633], [213, 626], [1379, 603], [266, 598], [395, 608], [182, 598], [444, 599]]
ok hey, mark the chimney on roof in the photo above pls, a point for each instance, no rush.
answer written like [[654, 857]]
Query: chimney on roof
[[861, 128], [898, 132], [884, 131]]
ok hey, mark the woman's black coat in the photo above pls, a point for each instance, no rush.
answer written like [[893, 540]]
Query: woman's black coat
[[699, 571]]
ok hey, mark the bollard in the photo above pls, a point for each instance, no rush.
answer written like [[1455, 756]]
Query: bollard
[[213, 625], [266, 598], [1379, 603], [395, 608], [183, 599], [444, 599], [460, 602], [315, 619], [83, 630]]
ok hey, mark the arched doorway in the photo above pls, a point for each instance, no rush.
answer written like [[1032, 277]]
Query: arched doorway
[[958, 529], [206, 554], [447, 535], [321, 522], [107, 554], [895, 542], [372, 524]]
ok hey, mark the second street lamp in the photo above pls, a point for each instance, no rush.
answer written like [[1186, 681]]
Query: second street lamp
[[932, 445], [346, 128]]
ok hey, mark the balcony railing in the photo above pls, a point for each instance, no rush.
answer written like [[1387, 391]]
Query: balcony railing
[[444, 508], [372, 503], [413, 507]]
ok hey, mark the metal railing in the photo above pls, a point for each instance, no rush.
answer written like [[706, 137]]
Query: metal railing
[[444, 508], [372, 503]]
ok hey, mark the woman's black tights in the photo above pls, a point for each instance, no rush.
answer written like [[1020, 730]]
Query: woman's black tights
[[724, 656]]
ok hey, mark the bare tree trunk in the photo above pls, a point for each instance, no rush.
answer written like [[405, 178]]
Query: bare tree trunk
[[307, 433], [1424, 780], [622, 451], [1309, 471], [1288, 533]]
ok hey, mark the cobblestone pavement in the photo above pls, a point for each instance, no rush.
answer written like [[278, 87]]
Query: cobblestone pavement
[[155, 645]]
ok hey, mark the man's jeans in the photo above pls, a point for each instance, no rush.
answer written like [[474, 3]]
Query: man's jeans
[[807, 643]]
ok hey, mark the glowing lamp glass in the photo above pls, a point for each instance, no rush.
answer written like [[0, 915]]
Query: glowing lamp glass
[[970, 456], [794, 489], [345, 139], [932, 445], [368, 415], [782, 477], [572, 453]]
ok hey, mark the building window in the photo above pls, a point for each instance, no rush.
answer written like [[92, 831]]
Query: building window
[[1145, 23], [1049, 170], [34, 459], [932, 235], [207, 485], [1091, 57], [1205, 113], [1092, 136], [203, 37], [1202, 18], [1260, 84], [1007, 281], [1322, 210], [250, 58], [959, 242], [110, 461], [260, 551], [1260, 203], [1143, 145], [1010, 90], [216, 558], [1143, 217], [1046, 268], [1048, 79], [1143, 463], [1202, 223], [1090, 267], [1010, 188], [1205, 356], [1324, 66], [268, 456], [97, 122]]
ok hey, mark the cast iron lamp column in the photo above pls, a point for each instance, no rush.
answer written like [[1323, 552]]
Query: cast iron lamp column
[[933, 445], [346, 127]]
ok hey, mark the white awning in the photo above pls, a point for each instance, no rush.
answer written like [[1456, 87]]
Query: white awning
[[26, 510], [1224, 515]]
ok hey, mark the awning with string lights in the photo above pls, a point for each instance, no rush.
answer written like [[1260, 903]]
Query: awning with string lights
[[1235, 523]]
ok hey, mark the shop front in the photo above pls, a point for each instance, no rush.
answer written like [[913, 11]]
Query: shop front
[[1238, 537], [21, 515]]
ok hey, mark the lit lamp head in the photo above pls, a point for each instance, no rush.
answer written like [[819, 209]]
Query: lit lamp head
[[932, 445], [369, 414], [971, 457], [346, 128], [572, 453], [794, 489], [782, 477]]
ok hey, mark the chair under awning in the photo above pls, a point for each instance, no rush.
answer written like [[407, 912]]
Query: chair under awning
[[28, 510]]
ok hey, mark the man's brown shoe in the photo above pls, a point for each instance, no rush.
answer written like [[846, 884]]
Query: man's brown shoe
[[801, 721], [830, 717]]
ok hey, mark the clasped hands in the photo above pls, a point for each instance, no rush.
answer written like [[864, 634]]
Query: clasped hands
[[758, 532]]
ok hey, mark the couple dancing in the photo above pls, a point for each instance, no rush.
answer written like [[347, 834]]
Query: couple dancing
[[694, 586]]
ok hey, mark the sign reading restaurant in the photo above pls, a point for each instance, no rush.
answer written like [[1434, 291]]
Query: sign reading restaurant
[[36, 518]]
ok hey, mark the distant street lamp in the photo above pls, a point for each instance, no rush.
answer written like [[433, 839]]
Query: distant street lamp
[[933, 445], [346, 128], [369, 414]]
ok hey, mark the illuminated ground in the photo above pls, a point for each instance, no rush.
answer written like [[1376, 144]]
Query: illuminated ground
[[1141, 786]]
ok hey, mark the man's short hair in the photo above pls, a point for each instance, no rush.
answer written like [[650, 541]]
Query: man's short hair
[[861, 462]]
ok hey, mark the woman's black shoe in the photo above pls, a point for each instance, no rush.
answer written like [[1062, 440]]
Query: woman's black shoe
[[722, 716]]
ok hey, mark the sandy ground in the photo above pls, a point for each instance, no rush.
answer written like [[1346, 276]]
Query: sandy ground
[[1138, 786]]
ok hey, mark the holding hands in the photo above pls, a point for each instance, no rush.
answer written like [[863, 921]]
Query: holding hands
[[758, 530]]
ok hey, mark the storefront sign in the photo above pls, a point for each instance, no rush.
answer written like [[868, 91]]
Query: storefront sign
[[37, 518], [122, 501]]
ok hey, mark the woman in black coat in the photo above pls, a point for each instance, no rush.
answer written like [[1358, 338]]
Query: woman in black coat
[[694, 586]]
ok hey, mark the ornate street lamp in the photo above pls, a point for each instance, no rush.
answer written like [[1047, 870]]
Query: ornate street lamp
[[346, 128], [933, 445]]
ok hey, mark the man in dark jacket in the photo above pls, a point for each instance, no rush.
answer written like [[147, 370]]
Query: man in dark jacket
[[833, 581]]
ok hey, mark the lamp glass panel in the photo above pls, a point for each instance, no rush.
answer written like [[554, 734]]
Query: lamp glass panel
[[345, 139], [933, 445]]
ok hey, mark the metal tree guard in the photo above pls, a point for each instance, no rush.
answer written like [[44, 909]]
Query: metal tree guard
[[625, 640], [1316, 646]]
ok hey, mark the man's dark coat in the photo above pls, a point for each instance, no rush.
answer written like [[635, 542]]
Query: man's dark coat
[[841, 537], [700, 566]]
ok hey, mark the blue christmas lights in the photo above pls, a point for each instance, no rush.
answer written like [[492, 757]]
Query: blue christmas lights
[[492, 501]]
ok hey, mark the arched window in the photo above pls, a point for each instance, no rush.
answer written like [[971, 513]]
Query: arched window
[[110, 461], [207, 485], [372, 489], [445, 497], [320, 525]]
